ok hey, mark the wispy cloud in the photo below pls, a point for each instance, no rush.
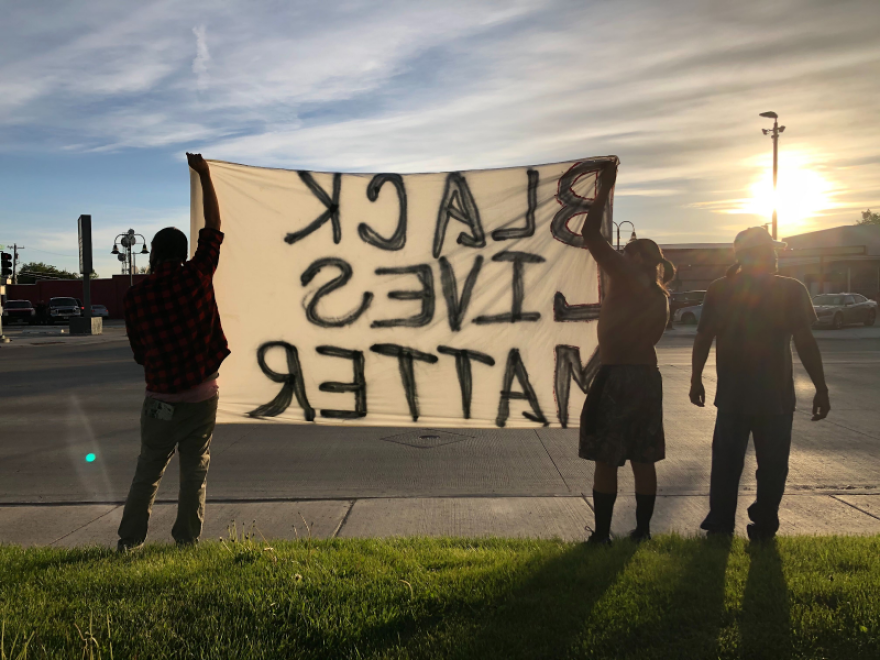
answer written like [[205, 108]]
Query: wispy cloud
[[673, 88], [203, 56]]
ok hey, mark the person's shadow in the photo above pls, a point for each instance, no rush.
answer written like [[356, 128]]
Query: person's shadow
[[545, 614], [663, 600], [765, 623]]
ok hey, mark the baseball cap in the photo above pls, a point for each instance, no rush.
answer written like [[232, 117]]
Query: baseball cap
[[754, 237]]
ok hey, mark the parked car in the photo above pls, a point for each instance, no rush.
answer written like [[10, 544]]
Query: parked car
[[19, 310], [100, 311], [682, 299], [840, 309], [62, 309], [689, 314]]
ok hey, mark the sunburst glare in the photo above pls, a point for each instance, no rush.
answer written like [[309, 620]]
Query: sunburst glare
[[801, 194]]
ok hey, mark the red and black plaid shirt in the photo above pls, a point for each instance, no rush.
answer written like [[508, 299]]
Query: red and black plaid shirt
[[172, 320]]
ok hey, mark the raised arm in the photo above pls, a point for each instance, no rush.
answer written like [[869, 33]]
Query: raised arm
[[209, 197], [609, 259]]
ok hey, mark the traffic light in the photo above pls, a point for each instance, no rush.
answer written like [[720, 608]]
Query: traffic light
[[5, 265]]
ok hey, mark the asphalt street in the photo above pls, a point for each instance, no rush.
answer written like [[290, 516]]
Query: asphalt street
[[62, 398]]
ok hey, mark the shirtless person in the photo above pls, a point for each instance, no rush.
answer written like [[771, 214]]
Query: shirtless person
[[623, 414]]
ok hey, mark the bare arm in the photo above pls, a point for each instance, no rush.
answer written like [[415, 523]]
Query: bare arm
[[702, 346], [611, 261], [209, 197], [811, 358]]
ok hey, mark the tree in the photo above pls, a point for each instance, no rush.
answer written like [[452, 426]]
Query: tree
[[869, 218], [33, 271]]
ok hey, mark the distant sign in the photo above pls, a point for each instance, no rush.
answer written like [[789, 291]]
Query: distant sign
[[84, 225]]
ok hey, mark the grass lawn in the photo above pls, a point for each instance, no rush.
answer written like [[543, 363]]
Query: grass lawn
[[447, 598]]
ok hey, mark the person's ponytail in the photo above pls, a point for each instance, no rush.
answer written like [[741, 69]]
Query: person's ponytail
[[668, 270]]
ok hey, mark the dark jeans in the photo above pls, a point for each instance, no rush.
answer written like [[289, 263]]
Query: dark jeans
[[772, 437]]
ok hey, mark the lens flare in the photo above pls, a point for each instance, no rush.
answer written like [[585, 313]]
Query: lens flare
[[801, 195], [90, 458]]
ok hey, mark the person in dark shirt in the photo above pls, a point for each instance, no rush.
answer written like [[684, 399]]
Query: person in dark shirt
[[753, 313], [173, 326]]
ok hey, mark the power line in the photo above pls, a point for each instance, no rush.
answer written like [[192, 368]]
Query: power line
[[57, 254]]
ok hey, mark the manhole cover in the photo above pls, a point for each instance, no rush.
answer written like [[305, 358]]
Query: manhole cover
[[426, 438]]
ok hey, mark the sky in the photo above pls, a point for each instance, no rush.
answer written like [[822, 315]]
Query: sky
[[99, 101]]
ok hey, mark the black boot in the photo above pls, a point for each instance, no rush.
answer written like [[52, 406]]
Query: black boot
[[644, 511], [603, 508]]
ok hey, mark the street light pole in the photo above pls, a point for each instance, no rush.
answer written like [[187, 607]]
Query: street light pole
[[618, 225], [129, 240], [774, 135]]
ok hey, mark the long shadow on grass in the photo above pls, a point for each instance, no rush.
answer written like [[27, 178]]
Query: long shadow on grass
[[765, 621], [670, 605], [543, 615]]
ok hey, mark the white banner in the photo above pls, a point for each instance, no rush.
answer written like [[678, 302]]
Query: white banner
[[459, 299]]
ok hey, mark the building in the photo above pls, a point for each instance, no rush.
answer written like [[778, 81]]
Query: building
[[830, 260], [835, 260], [108, 292], [698, 264]]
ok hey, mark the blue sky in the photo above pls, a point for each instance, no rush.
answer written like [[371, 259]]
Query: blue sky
[[99, 100]]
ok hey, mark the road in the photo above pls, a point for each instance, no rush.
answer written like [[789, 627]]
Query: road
[[62, 398]]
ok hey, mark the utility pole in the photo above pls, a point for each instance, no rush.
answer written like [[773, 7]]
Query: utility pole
[[774, 135], [15, 249], [5, 272]]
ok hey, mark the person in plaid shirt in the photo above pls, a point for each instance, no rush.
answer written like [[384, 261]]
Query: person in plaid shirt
[[174, 330]]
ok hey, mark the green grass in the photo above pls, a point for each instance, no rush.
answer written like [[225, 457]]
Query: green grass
[[447, 598]]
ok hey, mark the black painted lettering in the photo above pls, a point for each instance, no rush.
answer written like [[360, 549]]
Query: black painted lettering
[[562, 311], [572, 204], [457, 307], [405, 357], [516, 369], [336, 283], [516, 314], [568, 367], [529, 230], [458, 203], [367, 233], [293, 384], [425, 294], [463, 359], [359, 386], [331, 213]]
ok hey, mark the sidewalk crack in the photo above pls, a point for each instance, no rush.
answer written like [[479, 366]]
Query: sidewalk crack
[[835, 497], [84, 526], [344, 520], [558, 471]]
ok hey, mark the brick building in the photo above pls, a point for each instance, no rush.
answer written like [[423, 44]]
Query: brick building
[[840, 259]]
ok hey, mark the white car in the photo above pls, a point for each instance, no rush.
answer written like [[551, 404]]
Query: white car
[[688, 314], [99, 311]]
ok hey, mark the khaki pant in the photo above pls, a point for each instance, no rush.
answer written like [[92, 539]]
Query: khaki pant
[[189, 431]]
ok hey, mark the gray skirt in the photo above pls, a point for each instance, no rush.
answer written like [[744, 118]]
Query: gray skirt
[[622, 419]]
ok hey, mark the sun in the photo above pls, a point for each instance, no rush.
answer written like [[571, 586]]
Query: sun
[[802, 193]]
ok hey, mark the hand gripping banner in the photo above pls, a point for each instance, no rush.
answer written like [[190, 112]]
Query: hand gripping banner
[[460, 299]]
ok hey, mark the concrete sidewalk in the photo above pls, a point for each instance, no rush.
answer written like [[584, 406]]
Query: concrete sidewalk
[[562, 517]]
